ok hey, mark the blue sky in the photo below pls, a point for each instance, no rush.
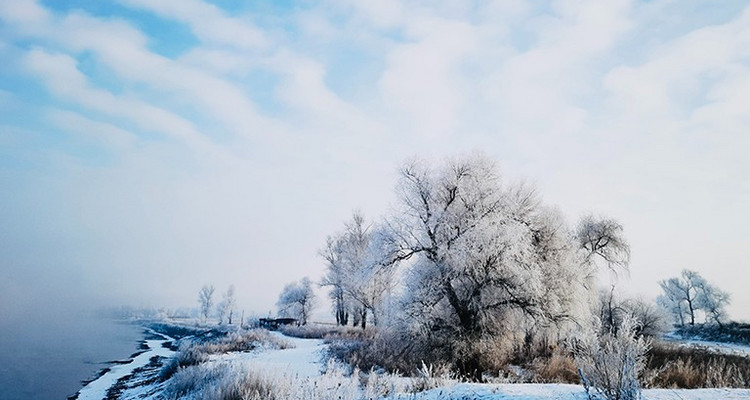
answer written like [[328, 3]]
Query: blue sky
[[148, 147]]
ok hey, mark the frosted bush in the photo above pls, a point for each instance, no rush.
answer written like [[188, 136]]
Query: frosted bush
[[430, 377], [609, 364]]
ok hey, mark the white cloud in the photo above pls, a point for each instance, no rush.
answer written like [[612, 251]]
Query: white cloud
[[61, 75], [674, 77], [423, 77], [211, 94], [102, 133], [24, 13], [209, 23]]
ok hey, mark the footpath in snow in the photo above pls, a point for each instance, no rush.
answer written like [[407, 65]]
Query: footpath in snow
[[97, 389]]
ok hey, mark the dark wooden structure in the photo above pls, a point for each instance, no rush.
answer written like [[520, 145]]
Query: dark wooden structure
[[274, 323]]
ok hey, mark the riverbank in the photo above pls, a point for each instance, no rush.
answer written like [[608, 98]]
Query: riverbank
[[115, 379], [229, 363], [139, 375]]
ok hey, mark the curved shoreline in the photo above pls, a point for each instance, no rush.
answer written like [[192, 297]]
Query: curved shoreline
[[109, 377]]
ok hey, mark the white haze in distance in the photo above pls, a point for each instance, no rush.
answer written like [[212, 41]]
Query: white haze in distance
[[150, 147]]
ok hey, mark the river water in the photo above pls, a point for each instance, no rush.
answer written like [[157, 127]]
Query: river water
[[48, 360]]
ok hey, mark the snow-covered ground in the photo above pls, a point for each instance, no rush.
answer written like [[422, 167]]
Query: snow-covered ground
[[304, 363], [303, 360], [97, 389], [535, 391]]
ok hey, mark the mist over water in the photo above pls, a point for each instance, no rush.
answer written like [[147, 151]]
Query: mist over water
[[47, 358]]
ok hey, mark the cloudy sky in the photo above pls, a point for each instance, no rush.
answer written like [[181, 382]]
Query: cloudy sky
[[148, 147]]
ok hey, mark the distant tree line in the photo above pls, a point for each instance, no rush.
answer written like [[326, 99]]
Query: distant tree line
[[226, 308]]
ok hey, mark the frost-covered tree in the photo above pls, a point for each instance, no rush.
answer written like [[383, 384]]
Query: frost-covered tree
[[649, 319], [297, 300], [603, 240], [669, 301], [713, 302], [611, 310], [360, 270], [682, 296], [206, 301], [335, 278], [225, 308], [485, 253]]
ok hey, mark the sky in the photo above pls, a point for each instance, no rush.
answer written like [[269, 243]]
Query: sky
[[149, 147]]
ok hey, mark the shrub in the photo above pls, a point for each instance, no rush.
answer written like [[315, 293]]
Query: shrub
[[431, 377], [610, 364]]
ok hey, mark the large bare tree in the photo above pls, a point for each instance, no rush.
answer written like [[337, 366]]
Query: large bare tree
[[483, 252]]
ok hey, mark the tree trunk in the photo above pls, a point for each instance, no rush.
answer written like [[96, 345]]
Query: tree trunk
[[692, 312], [465, 317]]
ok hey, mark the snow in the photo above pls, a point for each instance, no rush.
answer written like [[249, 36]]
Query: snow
[[303, 360], [502, 391], [543, 391], [97, 389]]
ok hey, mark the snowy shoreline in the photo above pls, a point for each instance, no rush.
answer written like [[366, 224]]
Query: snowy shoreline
[[153, 344], [303, 364]]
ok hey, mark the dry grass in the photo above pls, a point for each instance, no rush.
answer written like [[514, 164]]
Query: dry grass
[[535, 360], [558, 368], [367, 350], [312, 331], [244, 341], [674, 366], [225, 381], [668, 366]]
